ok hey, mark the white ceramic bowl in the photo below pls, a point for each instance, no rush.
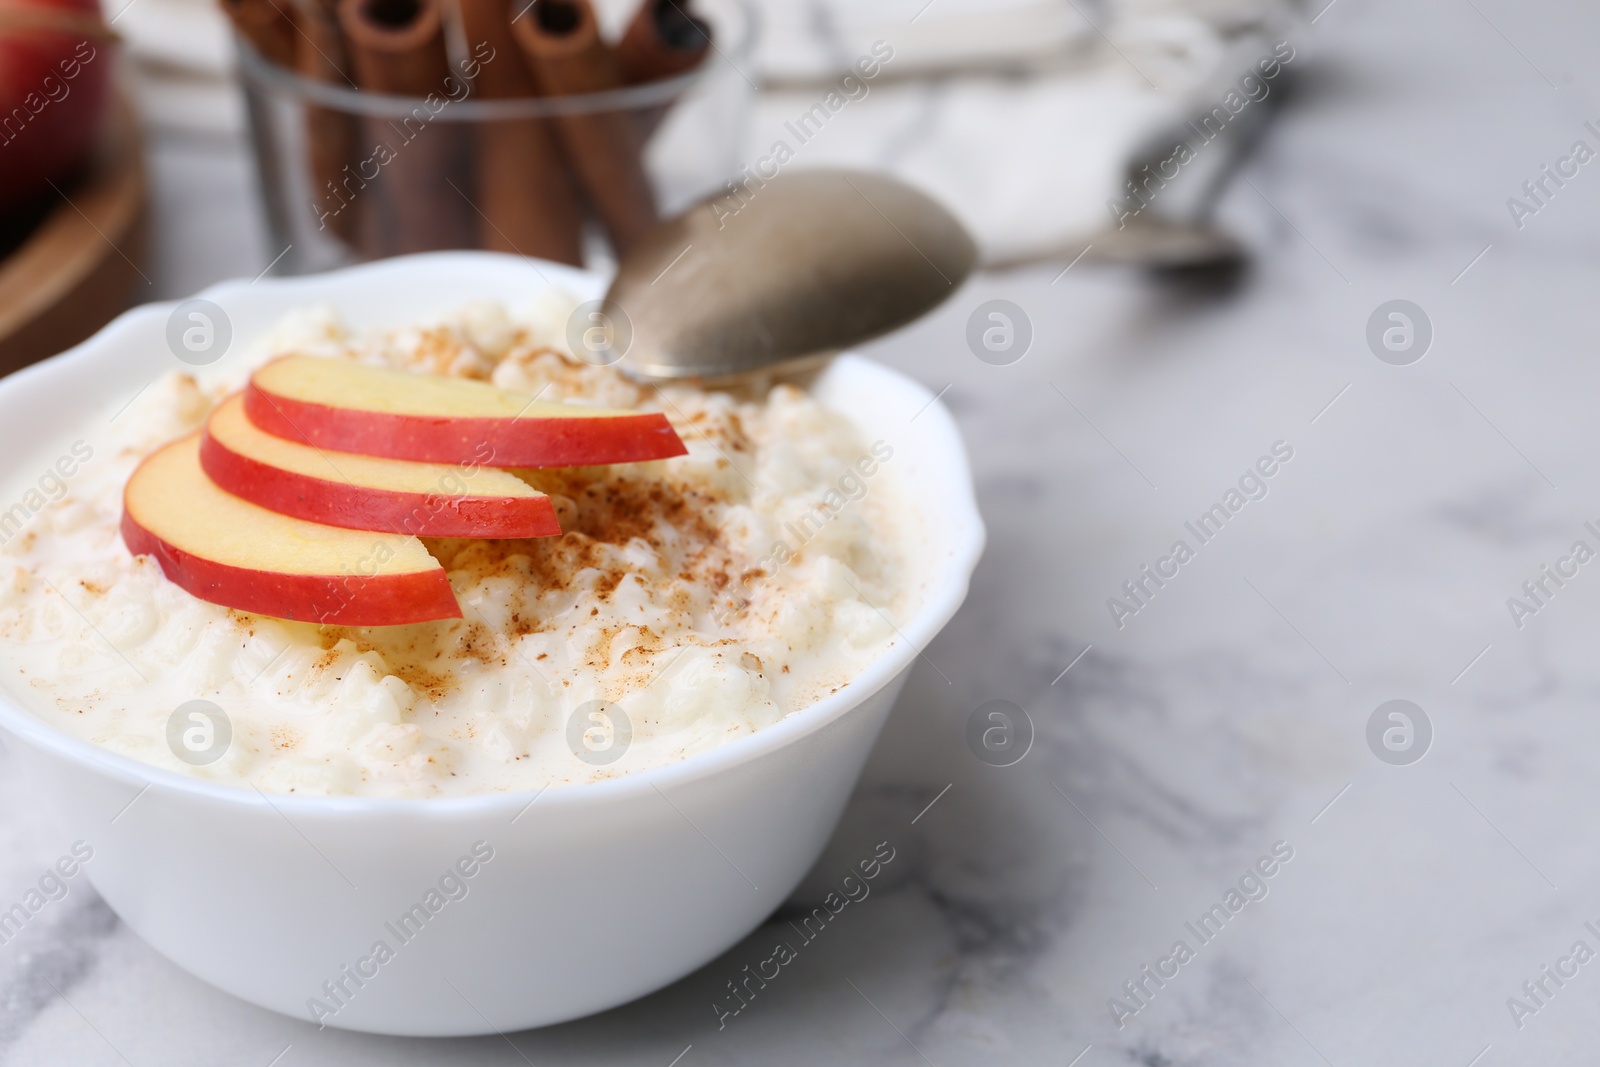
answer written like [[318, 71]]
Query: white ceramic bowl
[[596, 894]]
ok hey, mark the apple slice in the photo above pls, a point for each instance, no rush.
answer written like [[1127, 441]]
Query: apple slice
[[240, 555], [363, 493], [378, 411]]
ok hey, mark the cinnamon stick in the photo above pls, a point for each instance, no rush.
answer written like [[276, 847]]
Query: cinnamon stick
[[524, 193], [267, 27], [332, 136], [560, 39], [397, 47], [663, 39]]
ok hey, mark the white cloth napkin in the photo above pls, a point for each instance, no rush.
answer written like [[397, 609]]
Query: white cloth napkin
[[806, 40], [1028, 157]]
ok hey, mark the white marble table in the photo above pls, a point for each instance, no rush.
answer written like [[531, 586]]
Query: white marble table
[[1229, 713]]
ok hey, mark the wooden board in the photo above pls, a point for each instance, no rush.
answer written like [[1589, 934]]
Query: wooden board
[[76, 270]]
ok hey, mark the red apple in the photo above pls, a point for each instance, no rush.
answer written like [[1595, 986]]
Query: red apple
[[231, 552], [55, 82], [377, 411], [363, 493]]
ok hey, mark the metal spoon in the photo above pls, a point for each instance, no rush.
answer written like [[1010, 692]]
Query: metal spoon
[[1179, 232], [784, 273]]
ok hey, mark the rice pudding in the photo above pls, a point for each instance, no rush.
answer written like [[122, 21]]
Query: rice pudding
[[687, 602]]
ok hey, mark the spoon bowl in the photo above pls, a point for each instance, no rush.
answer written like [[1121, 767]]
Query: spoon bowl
[[781, 273]]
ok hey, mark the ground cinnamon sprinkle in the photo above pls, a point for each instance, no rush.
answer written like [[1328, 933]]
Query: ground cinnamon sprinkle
[[613, 510], [430, 684]]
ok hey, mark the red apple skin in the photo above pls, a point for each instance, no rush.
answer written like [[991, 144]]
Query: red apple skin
[[525, 442], [55, 87], [332, 600], [381, 510]]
